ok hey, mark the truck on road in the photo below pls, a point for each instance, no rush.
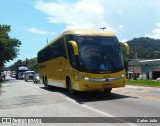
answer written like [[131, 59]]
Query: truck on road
[[20, 71]]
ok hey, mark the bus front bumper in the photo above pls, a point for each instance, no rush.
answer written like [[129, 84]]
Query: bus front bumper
[[89, 84]]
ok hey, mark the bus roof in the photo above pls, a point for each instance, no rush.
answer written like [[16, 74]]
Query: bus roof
[[83, 32], [89, 32]]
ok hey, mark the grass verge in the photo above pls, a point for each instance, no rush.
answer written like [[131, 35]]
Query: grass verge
[[151, 83]]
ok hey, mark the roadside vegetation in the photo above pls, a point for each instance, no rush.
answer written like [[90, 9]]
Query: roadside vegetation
[[146, 48], [32, 64], [152, 83], [9, 47]]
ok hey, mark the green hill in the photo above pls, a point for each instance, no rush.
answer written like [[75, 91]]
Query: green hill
[[145, 47]]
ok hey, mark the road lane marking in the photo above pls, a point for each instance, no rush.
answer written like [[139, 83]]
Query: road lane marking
[[99, 111], [40, 88], [145, 90], [86, 106], [146, 96], [135, 95], [141, 95]]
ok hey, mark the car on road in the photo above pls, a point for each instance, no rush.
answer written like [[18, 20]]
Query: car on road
[[12, 74], [36, 78], [29, 75], [158, 79]]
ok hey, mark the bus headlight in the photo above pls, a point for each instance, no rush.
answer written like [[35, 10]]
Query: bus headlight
[[86, 78], [101, 79]]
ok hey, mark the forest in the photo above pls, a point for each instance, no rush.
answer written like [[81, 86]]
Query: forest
[[144, 48]]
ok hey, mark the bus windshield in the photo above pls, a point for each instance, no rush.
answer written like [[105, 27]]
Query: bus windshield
[[22, 70], [99, 54]]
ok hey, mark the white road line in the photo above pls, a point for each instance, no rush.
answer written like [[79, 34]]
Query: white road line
[[98, 111], [86, 106], [40, 88], [71, 100]]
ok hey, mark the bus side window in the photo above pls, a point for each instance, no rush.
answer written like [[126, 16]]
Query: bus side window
[[70, 51]]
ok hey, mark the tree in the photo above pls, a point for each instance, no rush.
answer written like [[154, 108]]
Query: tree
[[32, 64], [144, 48], [8, 46], [13, 67]]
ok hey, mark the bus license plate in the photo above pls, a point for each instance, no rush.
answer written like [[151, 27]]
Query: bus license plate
[[105, 86]]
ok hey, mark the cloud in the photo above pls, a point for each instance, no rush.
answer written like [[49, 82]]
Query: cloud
[[158, 24], [101, 13], [124, 40], [80, 14], [121, 26], [155, 32], [37, 31]]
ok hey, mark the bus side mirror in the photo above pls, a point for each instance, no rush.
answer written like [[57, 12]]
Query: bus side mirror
[[75, 47], [126, 47]]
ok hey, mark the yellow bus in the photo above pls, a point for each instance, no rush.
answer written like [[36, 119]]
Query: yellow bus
[[83, 60]]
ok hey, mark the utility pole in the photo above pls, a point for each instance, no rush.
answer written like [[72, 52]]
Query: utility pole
[[26, 61], [136, 54]]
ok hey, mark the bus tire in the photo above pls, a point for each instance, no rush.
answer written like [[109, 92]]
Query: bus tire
[[69, 87], [43, 80], [107, 91], [46, 83]]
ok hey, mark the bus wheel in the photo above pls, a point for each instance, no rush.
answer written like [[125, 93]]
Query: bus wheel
[[70, 90], [107, 91], [46, 83]]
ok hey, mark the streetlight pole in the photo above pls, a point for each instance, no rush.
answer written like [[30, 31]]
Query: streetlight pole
[[133, 66], [103, 28]]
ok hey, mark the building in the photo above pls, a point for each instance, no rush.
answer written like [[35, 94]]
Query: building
[[148, 69]]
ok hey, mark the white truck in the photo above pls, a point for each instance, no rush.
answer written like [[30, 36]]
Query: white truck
[[20, 71]]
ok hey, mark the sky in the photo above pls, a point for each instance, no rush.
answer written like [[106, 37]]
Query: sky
[[34, 22]]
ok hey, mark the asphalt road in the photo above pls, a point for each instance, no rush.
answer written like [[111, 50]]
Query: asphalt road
[[26, 99]]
